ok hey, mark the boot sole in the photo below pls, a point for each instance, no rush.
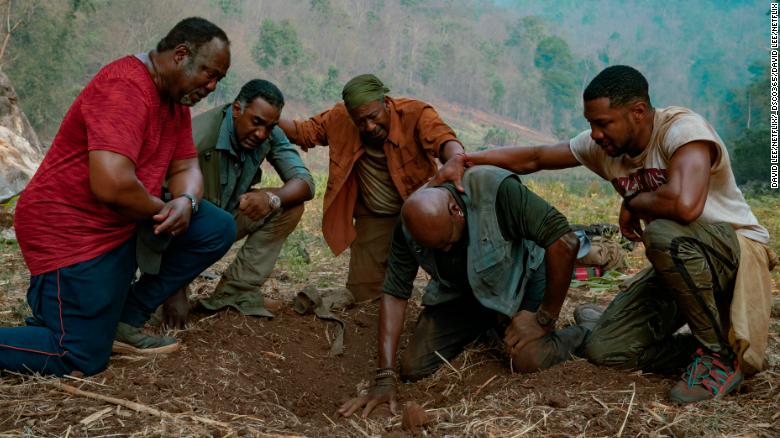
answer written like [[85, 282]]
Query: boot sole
[[582, 320], [121, 347]]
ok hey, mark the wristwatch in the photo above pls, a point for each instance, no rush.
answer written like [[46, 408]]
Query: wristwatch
[[274, 201], [193, 202], [627, 200], [545, 319]]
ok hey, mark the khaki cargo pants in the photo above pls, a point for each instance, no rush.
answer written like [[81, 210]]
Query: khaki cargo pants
[[691, 281], [242, 282], [368, 253]]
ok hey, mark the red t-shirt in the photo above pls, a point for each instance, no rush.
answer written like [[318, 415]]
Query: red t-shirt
[[58, 220]]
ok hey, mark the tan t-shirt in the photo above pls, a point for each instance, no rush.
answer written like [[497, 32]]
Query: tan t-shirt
[[674, 127], [375, 183]]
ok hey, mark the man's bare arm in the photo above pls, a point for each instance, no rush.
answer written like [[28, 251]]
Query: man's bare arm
[[518, 159], [527, 159], [683, 196], [391, 323], [288, 126], [257, 205], [449, 149], [293, 192], [184, 177], [559, 263], [113, 181]]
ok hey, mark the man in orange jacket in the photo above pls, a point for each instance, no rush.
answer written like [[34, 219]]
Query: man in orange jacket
[[381, 150]]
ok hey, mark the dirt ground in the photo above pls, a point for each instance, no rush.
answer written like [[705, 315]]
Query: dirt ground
[[247, 376]]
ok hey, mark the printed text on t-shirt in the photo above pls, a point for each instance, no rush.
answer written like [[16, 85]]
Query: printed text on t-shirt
[[643, 180]]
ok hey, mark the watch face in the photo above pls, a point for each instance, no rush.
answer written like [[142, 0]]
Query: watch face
[[544, 319], [275, 201]]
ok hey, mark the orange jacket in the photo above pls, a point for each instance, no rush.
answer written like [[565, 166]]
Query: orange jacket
[[416, 134]]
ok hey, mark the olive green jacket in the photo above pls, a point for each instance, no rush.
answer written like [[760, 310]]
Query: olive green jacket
[[228, 171]]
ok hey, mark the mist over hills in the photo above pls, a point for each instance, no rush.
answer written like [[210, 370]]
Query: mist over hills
[[520, 59]]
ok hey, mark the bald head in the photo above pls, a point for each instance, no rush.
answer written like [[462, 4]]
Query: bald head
[[433, 218]]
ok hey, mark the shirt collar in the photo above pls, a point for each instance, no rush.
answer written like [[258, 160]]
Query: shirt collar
[[227, 140], [460, 198]]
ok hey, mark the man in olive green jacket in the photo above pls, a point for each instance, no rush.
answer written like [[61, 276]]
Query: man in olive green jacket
[[232, 142]]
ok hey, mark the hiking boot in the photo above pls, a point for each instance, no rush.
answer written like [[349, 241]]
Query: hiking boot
[[587, 315], [709, 376], [133, 340]]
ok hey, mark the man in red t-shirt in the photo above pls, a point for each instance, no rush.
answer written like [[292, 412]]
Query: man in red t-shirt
[[97, 198]]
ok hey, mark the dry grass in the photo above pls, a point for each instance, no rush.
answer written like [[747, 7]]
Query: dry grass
[[476, 395]]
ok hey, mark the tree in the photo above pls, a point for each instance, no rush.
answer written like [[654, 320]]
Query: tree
[[50, 58], [497, 93], [751, 119], [228, 7], [556, 63], [432, 60], [331, 87], [751, 157], [277, 44]]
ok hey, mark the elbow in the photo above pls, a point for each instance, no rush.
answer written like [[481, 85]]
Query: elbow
[[310, 188], [571, 242], [104, 191], [530, 165], [566, 247], [526, 168], [687, 212]]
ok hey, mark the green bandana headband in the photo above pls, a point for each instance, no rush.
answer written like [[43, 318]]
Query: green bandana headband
[[363, 89]]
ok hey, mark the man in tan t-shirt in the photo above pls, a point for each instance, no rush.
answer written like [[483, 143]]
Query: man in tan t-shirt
[[710, 264]]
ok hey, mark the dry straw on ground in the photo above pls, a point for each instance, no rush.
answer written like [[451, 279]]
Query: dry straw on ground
[[244, 376]]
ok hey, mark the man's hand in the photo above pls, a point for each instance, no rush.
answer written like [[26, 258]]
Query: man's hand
[[452, 170], [174, 218], [255, 205], [523, 329], [175, 309], [629, 223], [383, 392]]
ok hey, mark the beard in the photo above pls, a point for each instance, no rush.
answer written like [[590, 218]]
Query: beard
[[370, 140], [193, 96]]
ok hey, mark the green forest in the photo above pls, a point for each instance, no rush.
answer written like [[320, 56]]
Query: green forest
[[521, 59]]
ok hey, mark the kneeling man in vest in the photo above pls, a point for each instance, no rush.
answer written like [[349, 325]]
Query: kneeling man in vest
[[500, 260], [232, 142]]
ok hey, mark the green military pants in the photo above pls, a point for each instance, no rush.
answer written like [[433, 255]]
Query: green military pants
[[691, 281], [444, 330], [241, 283]]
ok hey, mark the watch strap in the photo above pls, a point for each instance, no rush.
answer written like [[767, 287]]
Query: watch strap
[[545, 318], [193, 201]]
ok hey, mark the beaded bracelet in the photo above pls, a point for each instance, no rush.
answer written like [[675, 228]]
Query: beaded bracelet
[[384, 373]]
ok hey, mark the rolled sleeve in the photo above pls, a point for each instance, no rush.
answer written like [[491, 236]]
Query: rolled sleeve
[[311, 132], [522, 214], [432, 131], [402, 266], [286, 160]]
